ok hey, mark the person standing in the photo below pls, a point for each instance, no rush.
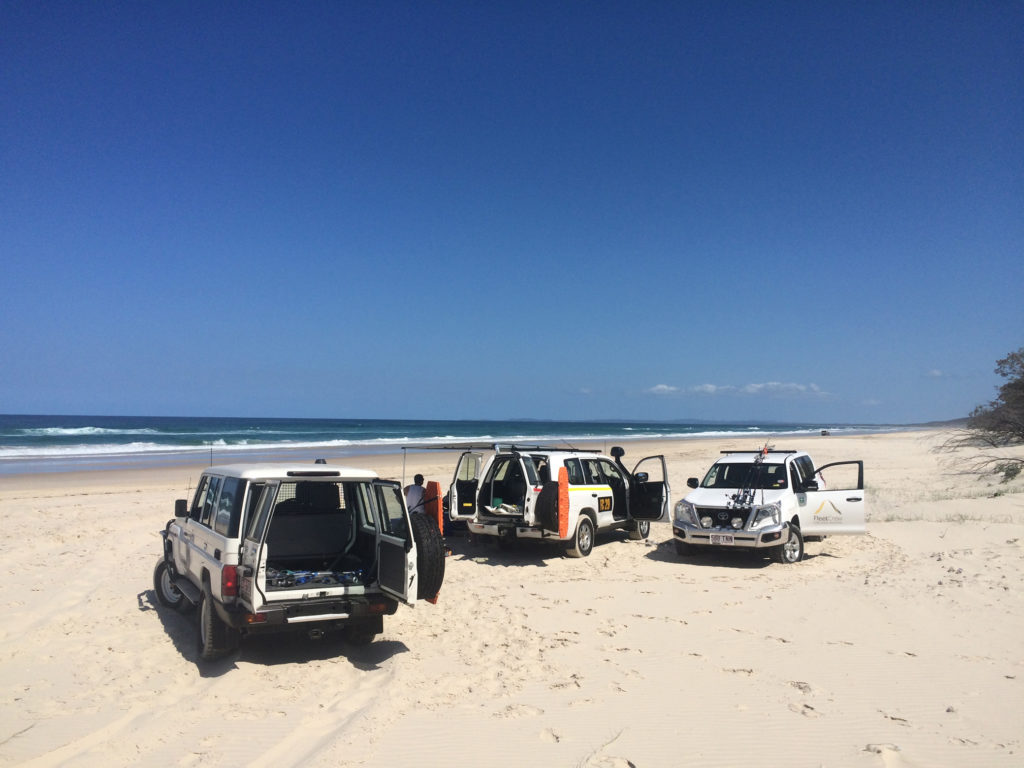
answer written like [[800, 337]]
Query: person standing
[[414, 496]]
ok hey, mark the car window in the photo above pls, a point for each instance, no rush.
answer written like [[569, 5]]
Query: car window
[[389, 501], [200, 498], [806, 467], [575, 471], [592, 472], [612, 474], [206, 514], [263, 505], [229, 506], [745, 475]]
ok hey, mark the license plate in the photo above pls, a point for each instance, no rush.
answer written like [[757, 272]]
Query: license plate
[[721, 538]]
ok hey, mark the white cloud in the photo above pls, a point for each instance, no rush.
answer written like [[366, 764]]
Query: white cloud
[[935, 373], [768, 388], [663, 389]]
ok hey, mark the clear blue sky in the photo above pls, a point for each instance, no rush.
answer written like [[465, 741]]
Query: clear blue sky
[[721, 210]]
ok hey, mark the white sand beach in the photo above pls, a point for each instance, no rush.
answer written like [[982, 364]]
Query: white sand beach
[[903, 647]]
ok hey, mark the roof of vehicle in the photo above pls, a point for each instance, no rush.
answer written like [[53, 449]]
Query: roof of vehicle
[[745, 457], [291, 471]]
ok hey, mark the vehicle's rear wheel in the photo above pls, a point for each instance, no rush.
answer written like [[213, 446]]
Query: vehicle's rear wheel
[[583, 541], [166, 593], [429, 557], [215, 638], [640, 529], [793, 550], [359, 634]]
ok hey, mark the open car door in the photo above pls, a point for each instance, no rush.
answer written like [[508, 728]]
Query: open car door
[[465, 484], [649, 492], [396, 555], [838, 509]]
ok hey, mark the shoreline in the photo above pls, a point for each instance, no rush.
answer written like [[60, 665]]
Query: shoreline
[[134, 470]]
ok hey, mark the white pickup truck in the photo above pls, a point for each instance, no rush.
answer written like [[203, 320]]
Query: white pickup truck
[[772, 500], [299, 547]]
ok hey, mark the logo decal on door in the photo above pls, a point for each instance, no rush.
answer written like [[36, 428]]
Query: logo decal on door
[[604, 504]]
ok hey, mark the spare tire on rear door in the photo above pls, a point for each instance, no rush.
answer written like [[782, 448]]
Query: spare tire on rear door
[[429, 557]]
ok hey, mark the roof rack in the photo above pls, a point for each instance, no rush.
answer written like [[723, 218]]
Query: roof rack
[[759, 450], [506, 447]]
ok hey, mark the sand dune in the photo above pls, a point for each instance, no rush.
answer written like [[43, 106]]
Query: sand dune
[[901, 647]]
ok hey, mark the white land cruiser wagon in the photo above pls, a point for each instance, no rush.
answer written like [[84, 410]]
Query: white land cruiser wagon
[[768, 499], [300, 547], [557, 494]]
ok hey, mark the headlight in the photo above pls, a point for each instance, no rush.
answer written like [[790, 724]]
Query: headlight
[[685, 512], [769, 514]]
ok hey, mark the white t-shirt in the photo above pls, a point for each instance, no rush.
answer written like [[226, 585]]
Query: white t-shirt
[[414, 498]]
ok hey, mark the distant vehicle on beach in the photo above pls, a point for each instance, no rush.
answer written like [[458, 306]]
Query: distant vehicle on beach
[[769, 500], [306, 548], [555, 494]]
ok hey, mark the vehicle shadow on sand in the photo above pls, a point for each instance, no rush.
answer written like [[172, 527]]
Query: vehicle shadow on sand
[[266, 650], [747, 559], [489, 550]]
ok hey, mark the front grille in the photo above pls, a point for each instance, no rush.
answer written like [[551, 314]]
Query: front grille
[[721, 516]]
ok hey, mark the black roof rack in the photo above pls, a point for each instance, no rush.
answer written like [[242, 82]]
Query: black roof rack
[[500, 447], [759, 450]]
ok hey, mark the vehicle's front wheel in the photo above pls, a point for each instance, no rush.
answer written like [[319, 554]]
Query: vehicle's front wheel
[[640, 529], [166, 593], [215, 638], [583, 542], [682, 548], [793, 550]]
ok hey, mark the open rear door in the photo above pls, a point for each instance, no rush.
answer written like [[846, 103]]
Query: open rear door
[[465, 484], [649, 492], [840, 508], [396, 555]]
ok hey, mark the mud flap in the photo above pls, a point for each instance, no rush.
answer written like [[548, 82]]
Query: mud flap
[[563, 503], [433, 504]]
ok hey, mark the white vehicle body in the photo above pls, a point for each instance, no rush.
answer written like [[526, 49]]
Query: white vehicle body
[[557, 494], [770, 499], [275, 547]]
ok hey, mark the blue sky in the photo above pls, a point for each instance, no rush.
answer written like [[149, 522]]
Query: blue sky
[[794, 211]]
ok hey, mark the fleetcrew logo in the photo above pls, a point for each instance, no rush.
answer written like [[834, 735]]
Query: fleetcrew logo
[[824, 515]]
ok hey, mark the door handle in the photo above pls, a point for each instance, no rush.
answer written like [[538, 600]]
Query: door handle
[[854, 498]]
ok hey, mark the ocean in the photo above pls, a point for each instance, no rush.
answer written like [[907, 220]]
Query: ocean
[[30, 444]]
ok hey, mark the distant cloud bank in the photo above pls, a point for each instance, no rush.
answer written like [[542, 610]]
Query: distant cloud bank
[[771, 388]]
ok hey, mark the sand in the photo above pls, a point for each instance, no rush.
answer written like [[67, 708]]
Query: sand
[[901, 647]]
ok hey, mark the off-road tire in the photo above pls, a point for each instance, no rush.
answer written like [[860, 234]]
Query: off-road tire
[[214, 637], [639, 530], [792, 551], [167, 594], [429, 557], [359, 634], [582, 543]]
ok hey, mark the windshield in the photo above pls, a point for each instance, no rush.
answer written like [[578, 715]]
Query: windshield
[[749, 475]]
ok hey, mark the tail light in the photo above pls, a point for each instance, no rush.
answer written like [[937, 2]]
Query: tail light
[[229, 581]]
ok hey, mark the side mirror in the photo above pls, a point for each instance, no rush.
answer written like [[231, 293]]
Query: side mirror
[[693, 482], [810, 485], [641, 477], [180, 508]]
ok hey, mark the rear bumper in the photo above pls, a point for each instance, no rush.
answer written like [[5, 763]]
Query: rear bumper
[[511, 530], [309, 614]]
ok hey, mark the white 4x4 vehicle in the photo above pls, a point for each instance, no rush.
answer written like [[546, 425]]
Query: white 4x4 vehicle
[[299, 547], [770, 499], [557, 494]]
